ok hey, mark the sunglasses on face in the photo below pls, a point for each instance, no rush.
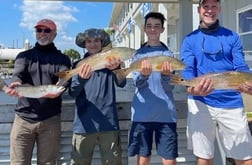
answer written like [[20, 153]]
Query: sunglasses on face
[[39, 30]]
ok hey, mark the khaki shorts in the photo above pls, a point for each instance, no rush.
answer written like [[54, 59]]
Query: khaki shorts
[[109, 145], [24, 135], [231, 125]]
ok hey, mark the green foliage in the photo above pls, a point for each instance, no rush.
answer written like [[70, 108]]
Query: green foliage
[[72, 54], [110, 31]]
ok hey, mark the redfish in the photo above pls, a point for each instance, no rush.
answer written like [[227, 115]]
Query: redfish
[[224, 80], [98, 61], [156, 62]]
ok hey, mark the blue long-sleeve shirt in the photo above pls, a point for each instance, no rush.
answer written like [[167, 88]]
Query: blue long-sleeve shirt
[[153, 99], [214, 52]]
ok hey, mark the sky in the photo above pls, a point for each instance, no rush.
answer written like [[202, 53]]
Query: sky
[[19, 17]]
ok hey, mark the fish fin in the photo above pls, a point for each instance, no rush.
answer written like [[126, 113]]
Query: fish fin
[[108, 47], [120, 74], [66, 75]]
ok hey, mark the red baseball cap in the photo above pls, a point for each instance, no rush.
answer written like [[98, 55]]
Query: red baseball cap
[[47, 23]]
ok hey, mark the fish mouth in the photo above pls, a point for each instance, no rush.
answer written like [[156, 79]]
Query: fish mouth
[[62, 82]]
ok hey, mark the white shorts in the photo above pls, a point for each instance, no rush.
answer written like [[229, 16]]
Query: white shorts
[[231, 125]]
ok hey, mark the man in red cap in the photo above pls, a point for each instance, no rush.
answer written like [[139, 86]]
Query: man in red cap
[[47, 23], [46, 31], [37, 120]]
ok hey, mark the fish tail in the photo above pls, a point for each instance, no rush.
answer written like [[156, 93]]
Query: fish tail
[[66, 75], [120, 74]]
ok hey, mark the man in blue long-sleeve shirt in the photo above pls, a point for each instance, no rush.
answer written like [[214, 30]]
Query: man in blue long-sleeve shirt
[[212, 48]]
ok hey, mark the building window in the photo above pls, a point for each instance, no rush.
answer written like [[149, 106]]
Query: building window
[[244, 28], [146, 8], [245, 21]]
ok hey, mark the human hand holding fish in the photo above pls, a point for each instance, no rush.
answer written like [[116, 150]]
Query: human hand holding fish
[[113, 63], [246, 88], [167, 68], [85, 71], [203, 88], [10, 89], [146, 68]]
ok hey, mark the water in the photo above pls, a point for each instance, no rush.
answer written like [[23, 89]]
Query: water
[[6, 99]]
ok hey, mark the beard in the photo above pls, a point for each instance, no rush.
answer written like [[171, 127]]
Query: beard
[[44, 41]]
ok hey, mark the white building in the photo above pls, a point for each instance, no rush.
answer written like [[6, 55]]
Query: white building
[[11, 53], [182, 17]]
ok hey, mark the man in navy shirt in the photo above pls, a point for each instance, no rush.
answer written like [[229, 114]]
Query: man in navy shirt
[[96, 120]]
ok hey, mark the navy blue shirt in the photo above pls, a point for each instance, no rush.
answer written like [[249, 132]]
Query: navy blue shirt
[[95, 102]]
